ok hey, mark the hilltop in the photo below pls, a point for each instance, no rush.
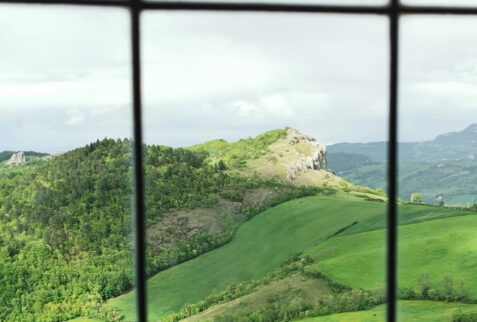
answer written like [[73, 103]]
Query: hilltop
[[71, 214], [283, 155]]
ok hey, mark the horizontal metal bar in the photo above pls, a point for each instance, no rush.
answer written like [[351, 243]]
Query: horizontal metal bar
[[260, 7], [271, 7], [99, 3], [212, 6], [428, 10]]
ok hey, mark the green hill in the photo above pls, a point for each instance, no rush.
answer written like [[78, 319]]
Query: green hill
[[454, 182], [261, 244], [449, 146], [442, 169], [408, 311], [5, 155], [65, 224], [283, 155], [258, 247], [436, 249]]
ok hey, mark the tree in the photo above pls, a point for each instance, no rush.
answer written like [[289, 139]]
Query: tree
[[441, 203], [416, 198]]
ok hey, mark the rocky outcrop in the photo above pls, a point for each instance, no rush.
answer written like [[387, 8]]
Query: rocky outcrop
[[297, 159], [313, 159], [16, 158], [317, 161]]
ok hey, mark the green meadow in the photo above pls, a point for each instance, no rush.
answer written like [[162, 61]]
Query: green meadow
[[355, 257], [439, 248], [258, 247], [408, 311]]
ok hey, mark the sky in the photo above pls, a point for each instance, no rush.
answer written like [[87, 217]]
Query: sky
[[65, 76]]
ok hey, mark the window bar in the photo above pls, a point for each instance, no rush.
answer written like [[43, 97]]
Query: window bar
[[392, 163], [140, 271], [393, 10]]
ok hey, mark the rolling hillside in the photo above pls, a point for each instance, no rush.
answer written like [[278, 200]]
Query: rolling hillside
[[353, 258], [449, 146], [448, 243], [454, 182], [408, 311], [443, 169], [258, 247]]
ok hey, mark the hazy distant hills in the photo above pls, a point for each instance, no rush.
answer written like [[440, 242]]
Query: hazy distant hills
[[441, 169], [450, 146]]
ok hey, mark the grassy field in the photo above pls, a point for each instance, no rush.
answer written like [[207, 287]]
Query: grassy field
[[430, 247], [298, 288], [355, 257], [259, 246], [409, 311]]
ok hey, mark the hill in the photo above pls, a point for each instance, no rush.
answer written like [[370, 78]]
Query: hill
[[409, 311], [70, 216], [258, 248], [5, 155], [283, 155], [262, 243], [454, 182], [225, 224], [354, 259], [343, 163], [439, 170], [449, 146]]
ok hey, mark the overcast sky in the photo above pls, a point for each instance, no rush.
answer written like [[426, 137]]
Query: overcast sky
[[65, 76]]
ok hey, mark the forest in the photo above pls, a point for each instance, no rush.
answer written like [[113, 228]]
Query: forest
[[66, 224]]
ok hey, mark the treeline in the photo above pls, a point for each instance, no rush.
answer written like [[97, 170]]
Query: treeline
[[236, 154], [298, 192], [343, 299], [447, 290], [5, 155], [349, 301], [294, 264], [459, 316], [185, 250]]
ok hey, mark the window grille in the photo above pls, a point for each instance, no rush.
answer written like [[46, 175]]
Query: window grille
[[393, 10]]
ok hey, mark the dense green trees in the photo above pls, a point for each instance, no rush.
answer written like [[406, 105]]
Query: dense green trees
[[65, 225]]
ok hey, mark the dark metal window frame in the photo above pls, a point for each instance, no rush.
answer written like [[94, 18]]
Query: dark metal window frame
[[393, 10]]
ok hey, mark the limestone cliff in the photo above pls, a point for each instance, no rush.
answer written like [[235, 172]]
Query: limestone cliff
[[17, 158], [297, 159]]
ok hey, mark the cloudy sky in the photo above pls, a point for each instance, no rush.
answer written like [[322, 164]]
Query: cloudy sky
[[65, 76]]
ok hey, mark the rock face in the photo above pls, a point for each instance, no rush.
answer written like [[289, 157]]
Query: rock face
[[312, 156], [16, 158], [297, 159]]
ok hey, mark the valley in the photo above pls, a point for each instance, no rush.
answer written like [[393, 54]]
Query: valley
[[441, 170]]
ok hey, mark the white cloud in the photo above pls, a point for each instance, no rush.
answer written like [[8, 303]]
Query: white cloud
[[227, 75], [75, 120]]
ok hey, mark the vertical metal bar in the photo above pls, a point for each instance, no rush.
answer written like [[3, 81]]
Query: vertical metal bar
[[140, 276], [392, 163]]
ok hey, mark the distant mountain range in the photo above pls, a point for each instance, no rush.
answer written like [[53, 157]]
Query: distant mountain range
[[442, 169], [450, 146]]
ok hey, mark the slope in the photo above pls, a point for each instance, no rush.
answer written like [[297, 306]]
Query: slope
[[449, 244], [454, 182], [449, 146], [258, 247], [409, 311]]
